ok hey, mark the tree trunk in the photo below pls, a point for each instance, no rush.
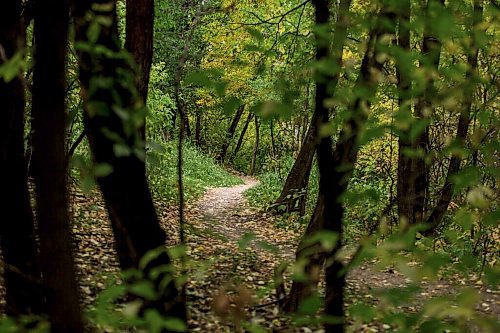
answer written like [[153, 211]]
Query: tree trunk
[[17, 234], [179, 103], [315, 259], [293, 195], [230, 134], [273, 141], [139, 39], [431, 50], [197, 130], [139, 42], [125, 190], [437, 215], [50, 167], [336, 167], [336, 171], [304, 121], [242, 135], [255, 147], [406, 180], [300, 290]]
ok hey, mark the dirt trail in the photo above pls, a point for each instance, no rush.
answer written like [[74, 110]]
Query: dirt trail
[[224, 217], [244, 246], [224, 208], [223, 267]]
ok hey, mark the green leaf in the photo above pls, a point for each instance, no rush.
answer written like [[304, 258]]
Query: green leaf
[[103, 170], [13, 67], [371, 134], [492, 276], [144, 289], [245, 240], [198, 77], [175, 324], [154, 321], [254, 328], [177, 252], [150, 256], [492, 219], [255, 34], [311, 305], [466, 177], [327, 239], [93, 32], [363, 312], [121, 150], [231, 104]]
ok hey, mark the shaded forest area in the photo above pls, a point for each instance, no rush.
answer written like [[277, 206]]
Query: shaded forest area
[[249, 166]]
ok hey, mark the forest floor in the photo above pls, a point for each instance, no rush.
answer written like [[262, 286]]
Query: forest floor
[[233, 251]]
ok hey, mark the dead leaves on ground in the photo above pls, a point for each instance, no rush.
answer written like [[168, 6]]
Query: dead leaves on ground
[[233, 250]]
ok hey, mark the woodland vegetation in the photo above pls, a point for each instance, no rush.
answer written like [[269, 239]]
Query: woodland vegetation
[[249, 166]]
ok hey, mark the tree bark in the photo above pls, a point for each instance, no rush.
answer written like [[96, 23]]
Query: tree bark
[[336, 171], [139, 42], [406, 178], [230, 133], [335, 167], [255, 147], [17, 234], [189, 29], [197, 130], [50, 166], [273, 140], [438, 213], [431, 51], [125, 190], [300, 290], [139, 39], [242, 135], [293, 195]]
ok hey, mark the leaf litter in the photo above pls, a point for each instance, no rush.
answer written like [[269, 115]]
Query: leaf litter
[[235, 249]]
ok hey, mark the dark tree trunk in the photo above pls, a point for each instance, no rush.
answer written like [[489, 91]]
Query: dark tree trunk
[[197, 130], [313, 141], [139, 42], [336, 167], [190, 28], [335, 171], [406, 180], [315, 259], [242, 135], [230, 134], [17, 235], [50, 164], [273, 140], [304, 121], [125, 190], [255, 147], [74, 145], [293, 195], [431, 51], [185, 121], [438, 213], [139, 39]]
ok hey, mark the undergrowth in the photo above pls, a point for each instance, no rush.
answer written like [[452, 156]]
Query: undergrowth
[[199, 173]]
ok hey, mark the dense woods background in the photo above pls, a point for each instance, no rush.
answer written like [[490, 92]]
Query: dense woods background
[[366, 133]]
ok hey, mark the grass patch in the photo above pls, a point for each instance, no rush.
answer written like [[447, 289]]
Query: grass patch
[[200, 173]]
